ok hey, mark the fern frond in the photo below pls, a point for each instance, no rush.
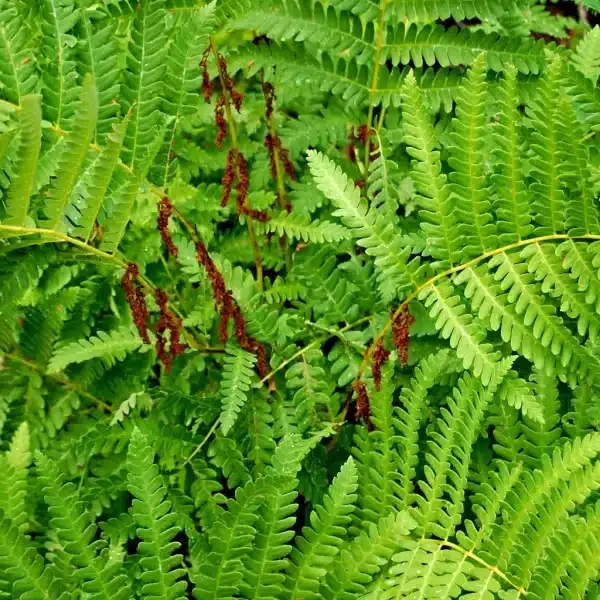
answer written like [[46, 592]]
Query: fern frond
[[100, 56], [511, 203], [144, 79], [372, 232], [321, 540], [586, 58], [14, 465], [23, 567], [430, 10], [469, 192], [73, 155], [264, 578], [84, 559], [437, 214], [161, 569], [454, 322], [89, 194], [59, 77], [301, 227], [25, 167], [547, 147], [236, 380], [183, 78], [17, 65], [110, 347], [357, 564], [221, 574]]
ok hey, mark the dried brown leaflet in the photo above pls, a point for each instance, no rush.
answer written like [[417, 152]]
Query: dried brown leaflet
[[136, 300], [167, 322], [230, 309], [380, 357], [363, 409], [401, 334], [165, 210]]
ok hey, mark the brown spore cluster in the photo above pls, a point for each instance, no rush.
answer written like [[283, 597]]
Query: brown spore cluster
[[363, 409], [136, 300], [236, 168], [274, 144], [167, 322], [165, 210], [401, 333], [229, 309], [380, 357]]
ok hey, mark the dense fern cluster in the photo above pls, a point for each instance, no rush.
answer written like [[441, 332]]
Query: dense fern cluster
[[299, 299]]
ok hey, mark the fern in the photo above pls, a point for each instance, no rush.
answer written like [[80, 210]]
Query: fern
[[236, 381], [156, 525]]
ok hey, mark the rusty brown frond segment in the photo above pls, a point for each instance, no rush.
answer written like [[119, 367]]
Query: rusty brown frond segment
[[236, 97], [228, 176], [165, 210], [207, 86], [401, 334], [167, 322], [229, 309], [136, 300], [380, 357], [220, 121], [363, 409]]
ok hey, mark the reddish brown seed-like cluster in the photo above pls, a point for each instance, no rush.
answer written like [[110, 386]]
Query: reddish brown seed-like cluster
[[229, 310], [380, 357], [165, 210], [363, 409], [136, 300], [167, 322], [237, 167], [220, 122], [401, 334], [207, 86]]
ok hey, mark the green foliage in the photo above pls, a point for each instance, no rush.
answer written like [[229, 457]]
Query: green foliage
[[299, 299]]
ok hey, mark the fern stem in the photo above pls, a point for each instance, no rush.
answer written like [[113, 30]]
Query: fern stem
[[313, 344], [234, 144], [203, 442], [61, 379], [375, 81], [452, 271]]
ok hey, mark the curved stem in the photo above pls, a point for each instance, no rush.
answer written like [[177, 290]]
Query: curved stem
[[61, 379], [457, 269]]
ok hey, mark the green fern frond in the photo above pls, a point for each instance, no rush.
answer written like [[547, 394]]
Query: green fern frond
[[89, 194], [110, 347], [23, 568], [511, 202], [547, 147], [357, 564], [144, 79], [25, 167], [72, 156], [469, 192], [263, 574], [321, 540], [438, 219], [14, 466], [429, 10], [17, 64], [183, 78], [59, 77], [84, 560], [161, 569], [466, 335], [373, 231], [236, 380], [586, 58], [100, 55], [301, 227]]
